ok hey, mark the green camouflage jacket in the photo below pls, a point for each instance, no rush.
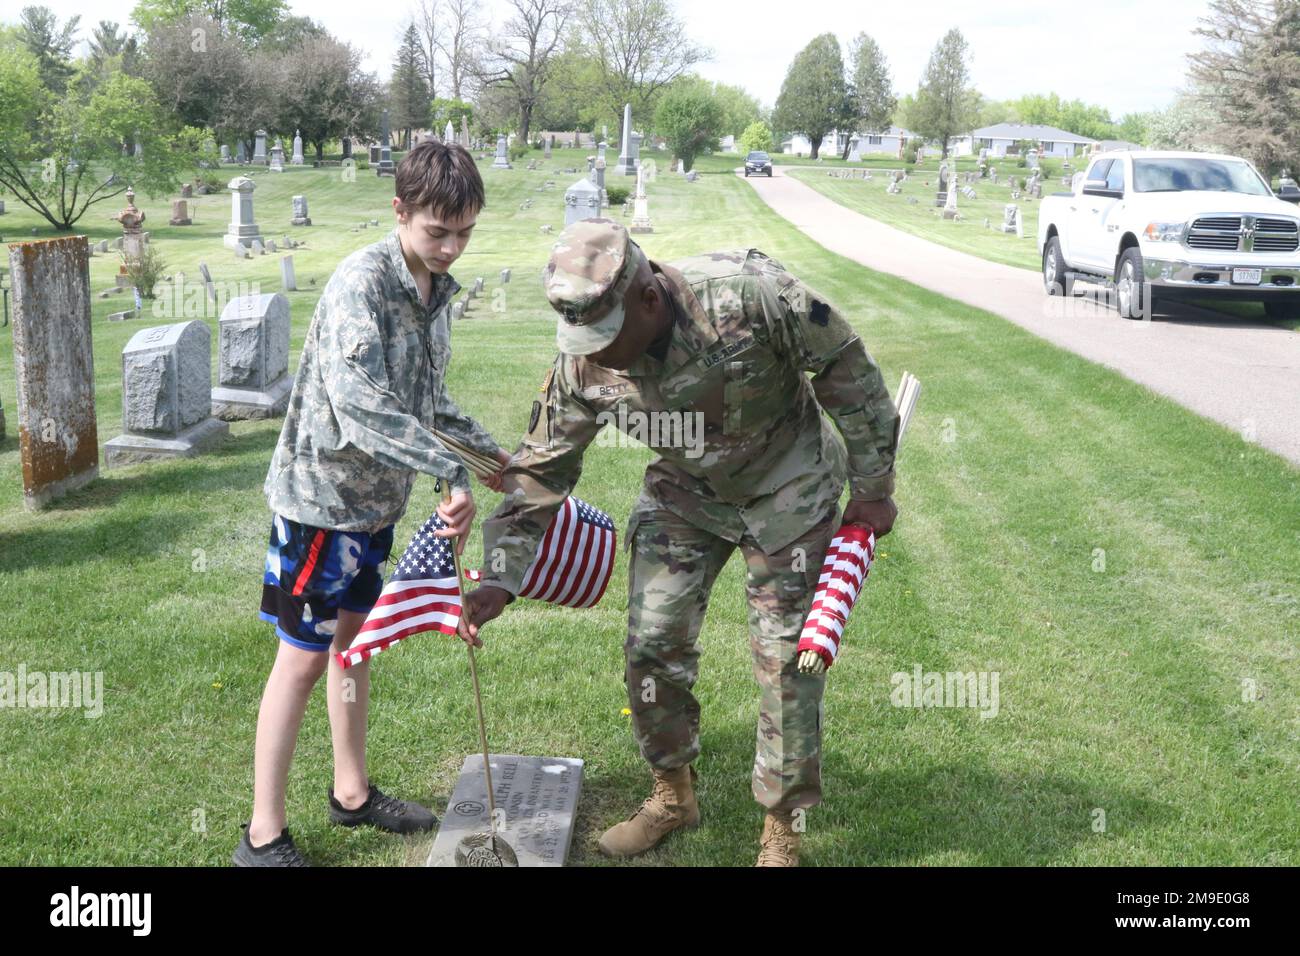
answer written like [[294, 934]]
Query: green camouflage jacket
[[767, 463], [369, 388]]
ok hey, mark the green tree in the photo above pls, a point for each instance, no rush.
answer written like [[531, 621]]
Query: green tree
[[689, 118], [51, 44], [739, 109], [945, 104], [61, 155], [871, 91], [444, 110], [757, 136], [326, 93], [1133, 127], [522, 58], [814, 98], [1247, 75], [409, 91], [250, 19]]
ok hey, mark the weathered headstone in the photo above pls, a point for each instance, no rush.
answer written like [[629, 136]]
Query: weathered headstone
[[300, 217], [641, 206], [581, 201], [207, 281], [458, 309], [187, 190], [599, 172], [692, 176], [241, 154], [166, 395], [505, 276], [950, 202], [286, 274], [242, 229], [546, 147], [180, 213], [386, 165], [374, 154], [259, 148], [297, 159], [464, 131], [53, 367], [501, 161], [536, 800], [225, 153], [347, 147], [277, 157], [258, 247], [253, 357], [626, 165], [1010, 216]]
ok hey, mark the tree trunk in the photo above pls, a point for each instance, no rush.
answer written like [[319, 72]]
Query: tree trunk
[[525, 121], [320, 150], [816, 142]]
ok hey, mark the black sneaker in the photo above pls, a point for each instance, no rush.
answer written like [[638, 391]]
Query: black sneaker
[[279, 852], [385, 812]]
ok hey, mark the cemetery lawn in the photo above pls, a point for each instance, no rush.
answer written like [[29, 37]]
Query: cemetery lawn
[[968, 234], [1128, 570]]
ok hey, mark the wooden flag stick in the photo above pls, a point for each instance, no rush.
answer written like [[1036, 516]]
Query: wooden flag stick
[[478, 696]]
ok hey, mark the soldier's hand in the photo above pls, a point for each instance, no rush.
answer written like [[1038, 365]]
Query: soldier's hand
[[493, 480], [477, 608], [458, 513], [878, 515]]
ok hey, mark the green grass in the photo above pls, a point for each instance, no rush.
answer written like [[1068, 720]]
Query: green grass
[[1121, 689]]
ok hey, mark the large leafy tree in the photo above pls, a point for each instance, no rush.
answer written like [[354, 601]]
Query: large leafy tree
[[1248, 78], [250, 19], [871, 91], [59, 155], [639, 47], [689, 117], [814, 99], [945, 105], [326, 93]]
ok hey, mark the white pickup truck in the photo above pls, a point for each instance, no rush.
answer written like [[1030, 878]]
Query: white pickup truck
[[1161, 225]]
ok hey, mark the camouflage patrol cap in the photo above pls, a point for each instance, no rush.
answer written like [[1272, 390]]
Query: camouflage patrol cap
[[592, 264]]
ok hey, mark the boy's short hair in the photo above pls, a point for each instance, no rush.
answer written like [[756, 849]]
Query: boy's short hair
[[443, 176]]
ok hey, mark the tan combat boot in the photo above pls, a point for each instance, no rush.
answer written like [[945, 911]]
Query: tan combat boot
[[670, 806], [779, 845]]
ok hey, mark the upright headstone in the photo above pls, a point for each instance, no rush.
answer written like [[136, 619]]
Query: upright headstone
[[241, 154], [855, 150], [950, 201], [1031, 158], [626, 165], [641, 206], [54, 367], [347, 147], [166, 395], [464, 131], [297, 148], [1010, 215], [132, 219], [207, 281], [180, 213], [599, 172], [634, 149], [449, 133], [277, 157], [300, 217], [225, 153], [501, 161], [386, 165], [259, 148], [253, 356], [243, 229], [546, 147], [941, 195], [374, 154], [581, 201], [505, 276]]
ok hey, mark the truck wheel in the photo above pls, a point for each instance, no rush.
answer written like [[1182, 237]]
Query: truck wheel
[[1131, 291], [1281, 309], [1057, 280]]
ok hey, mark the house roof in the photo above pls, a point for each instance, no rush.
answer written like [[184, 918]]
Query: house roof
[[1029, 131]]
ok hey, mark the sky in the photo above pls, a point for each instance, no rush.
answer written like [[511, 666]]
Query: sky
[[1124, 55]]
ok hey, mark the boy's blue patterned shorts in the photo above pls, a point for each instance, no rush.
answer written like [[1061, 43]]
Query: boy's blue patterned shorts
[[313, 572]]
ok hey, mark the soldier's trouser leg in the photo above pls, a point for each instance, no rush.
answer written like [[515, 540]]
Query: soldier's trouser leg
[[780, 586], [672, 570]]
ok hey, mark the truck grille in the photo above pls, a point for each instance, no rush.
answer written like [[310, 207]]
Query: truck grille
[[1223, 234]]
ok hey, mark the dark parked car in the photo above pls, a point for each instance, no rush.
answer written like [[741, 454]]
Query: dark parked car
[[758, 162]]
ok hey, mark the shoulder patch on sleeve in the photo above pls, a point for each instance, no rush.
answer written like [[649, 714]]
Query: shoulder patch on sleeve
[[820, 313]]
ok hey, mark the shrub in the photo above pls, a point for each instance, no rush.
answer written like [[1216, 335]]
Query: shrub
[[517, 151], [617, 194], [145, 270]]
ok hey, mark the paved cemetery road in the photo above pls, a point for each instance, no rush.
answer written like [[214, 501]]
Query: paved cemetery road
[[1243, 375]]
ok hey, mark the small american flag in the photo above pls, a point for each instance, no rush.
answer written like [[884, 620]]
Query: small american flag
[[844, 571], [422, 595], [575, 559]]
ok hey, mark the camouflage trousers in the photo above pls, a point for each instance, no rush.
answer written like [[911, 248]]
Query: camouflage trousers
[[672, 570]]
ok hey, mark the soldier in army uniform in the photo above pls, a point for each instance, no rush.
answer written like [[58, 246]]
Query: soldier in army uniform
[[728, 337]]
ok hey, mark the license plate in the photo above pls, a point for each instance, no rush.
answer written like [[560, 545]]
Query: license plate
[[1247, 276]]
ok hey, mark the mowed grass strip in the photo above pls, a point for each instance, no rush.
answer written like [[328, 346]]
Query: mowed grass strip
[[1124, 567]]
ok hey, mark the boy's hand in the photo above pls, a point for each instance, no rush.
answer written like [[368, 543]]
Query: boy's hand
[[477, 608], [458, 513], [493, 480]]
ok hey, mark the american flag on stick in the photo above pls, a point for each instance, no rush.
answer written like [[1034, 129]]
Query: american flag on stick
[[575, 559], [422, 595], [848, 562]]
